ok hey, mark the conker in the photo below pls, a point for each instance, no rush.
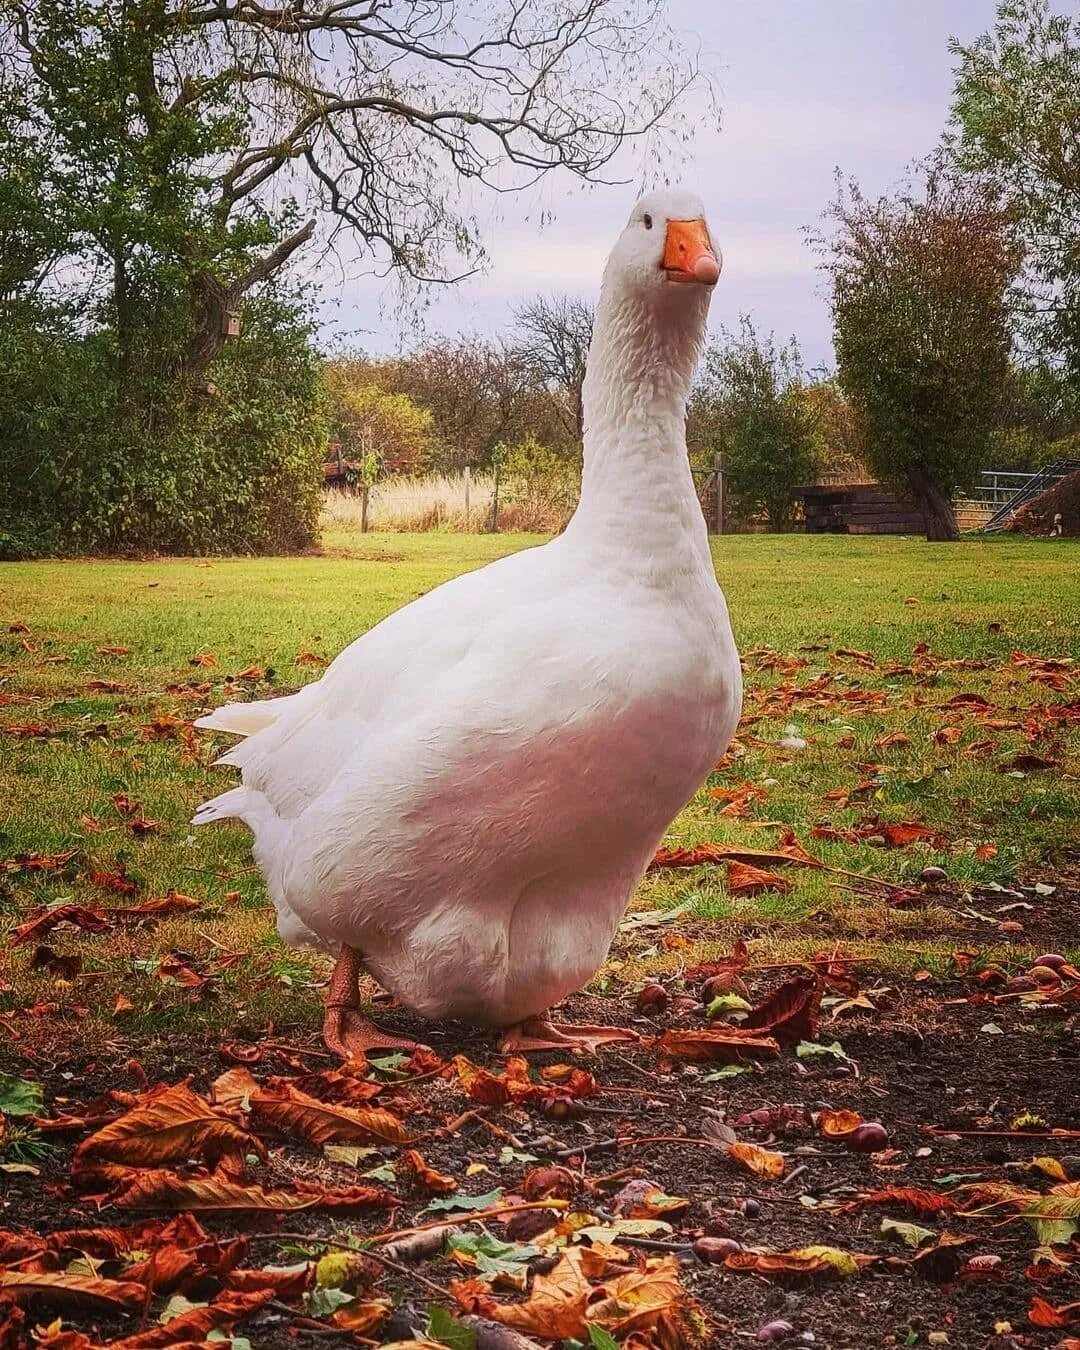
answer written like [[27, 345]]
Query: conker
[[715, 1250], [1044, 975], [652, 999], [870, 1137], [1052, 960], [775, 1331], [545, 1183]]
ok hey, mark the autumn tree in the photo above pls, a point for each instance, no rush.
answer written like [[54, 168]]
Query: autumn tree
[[747, 406], [376, 426], [552, 339], [1016, 118], [922, 330], [178, 158]]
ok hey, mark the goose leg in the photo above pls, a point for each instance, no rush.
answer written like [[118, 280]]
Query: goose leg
[[541, 1033], [345, 1030]]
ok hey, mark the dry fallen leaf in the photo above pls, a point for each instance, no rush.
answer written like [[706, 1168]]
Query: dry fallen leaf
[[790, 1013], [294, 1112], [73, 1290], [172, 1124], [727, 1045]]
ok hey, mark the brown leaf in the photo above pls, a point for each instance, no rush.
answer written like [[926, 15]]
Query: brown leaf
[[789, 851], [942, 1261], [784, 1267], [515, 1085], [641, 1300], [90, 920], [283, 1283], [119, 882], [113, 651], [192, 1327], [205, 660], [790, 1013], [78, 1291], [362, 1318], [1044, 1314], [63, 967], [899, 836], [947, 736], [728, 1045], [436, 1182], [38, 862], [172, 1124], [743, 879], [319, 1123], [555, 1307], [173, 902], [909, 1198], [306, 658], [761, 1161], [162, 1189]]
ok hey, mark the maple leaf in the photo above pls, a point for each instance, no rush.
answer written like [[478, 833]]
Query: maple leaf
[[790, 1013], [728, 1045], [743, 879], [319, 1123], [171, 1124]]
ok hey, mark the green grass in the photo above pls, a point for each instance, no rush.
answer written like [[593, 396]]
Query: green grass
[[802, 598]]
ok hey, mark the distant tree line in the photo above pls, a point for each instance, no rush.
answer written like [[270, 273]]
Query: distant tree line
[[164, 167]]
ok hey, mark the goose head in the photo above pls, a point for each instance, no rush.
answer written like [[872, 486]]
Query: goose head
[[666, 244], [654, 301]]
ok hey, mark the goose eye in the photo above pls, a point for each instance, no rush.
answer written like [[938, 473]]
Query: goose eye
[[647, 220]]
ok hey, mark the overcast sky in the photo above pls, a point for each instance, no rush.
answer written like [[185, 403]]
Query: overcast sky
[[805, 86]]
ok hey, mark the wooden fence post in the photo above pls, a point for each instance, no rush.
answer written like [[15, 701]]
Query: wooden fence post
[[468, 494], [718, 478]]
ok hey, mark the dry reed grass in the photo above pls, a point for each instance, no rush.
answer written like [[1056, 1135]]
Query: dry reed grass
[[437, 502]]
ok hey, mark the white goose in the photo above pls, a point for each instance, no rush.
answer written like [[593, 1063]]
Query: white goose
[[465, 802]]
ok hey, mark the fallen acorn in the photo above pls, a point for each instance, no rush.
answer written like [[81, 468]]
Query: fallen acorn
[[870, 1137], [652, 999], [715, 1250]]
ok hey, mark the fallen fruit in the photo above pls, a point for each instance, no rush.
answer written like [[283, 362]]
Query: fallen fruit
[[1052, 960], [714, 1250], [869, 1138], [1044, 975], [749, 1207], [652, 999], [775, 1331], [933, 874], [1020, 984], [544, 1183]]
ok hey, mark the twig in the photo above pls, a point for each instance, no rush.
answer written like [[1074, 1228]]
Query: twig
[[472, 1216], [654, 1244], [792, 1175], [1006, 1134]]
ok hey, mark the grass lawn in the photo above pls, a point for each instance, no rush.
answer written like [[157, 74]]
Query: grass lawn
[[908, 707], [118, 657]]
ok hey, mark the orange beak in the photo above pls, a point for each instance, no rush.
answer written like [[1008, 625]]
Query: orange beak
[[688, 252]]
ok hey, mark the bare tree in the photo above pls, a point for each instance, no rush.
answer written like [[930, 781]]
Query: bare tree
[[219, 132], [554, 333]]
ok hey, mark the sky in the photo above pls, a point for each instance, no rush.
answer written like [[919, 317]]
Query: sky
[[805, 87]]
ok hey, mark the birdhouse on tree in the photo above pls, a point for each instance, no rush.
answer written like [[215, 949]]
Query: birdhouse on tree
[[230, 324]]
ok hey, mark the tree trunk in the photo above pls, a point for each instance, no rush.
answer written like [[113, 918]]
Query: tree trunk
[[939, 518]]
